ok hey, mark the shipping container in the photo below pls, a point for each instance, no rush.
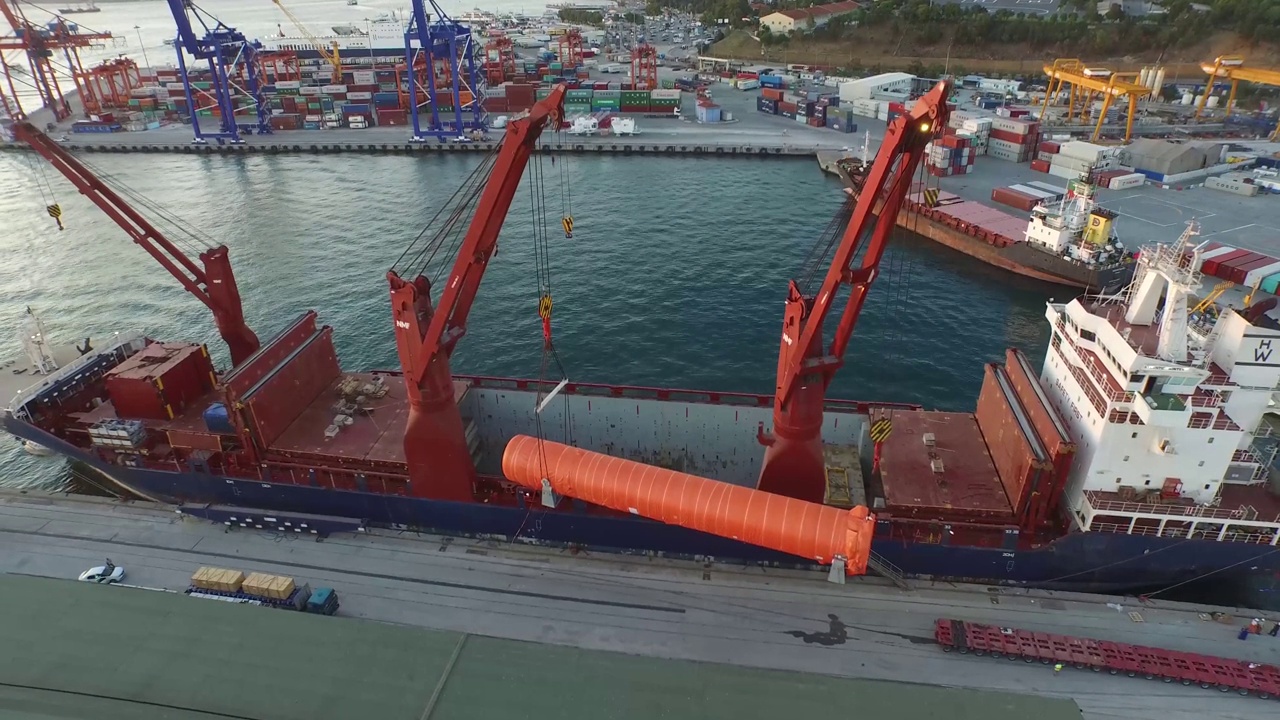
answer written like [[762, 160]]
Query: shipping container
[[160, 381], [1211, 266], [1271, 284], [1040, 166], [1014, 199], [1020, 458], [1256, 275], [1051, 430], [765, 105], [279, 398], [1240, 271]]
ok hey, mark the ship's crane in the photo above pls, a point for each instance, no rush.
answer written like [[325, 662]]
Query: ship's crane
[[435, 441], [212, 281], [40, 43], [331, 54], [793, 460], [233, 73]]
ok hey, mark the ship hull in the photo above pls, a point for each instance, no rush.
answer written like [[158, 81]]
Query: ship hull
[[1082, 562]]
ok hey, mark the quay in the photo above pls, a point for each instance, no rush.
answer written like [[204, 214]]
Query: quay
[[569, 622]]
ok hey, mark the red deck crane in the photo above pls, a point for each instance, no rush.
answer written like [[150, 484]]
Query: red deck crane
[[212, 282], [39, 43], [435, 443], [793, 459]]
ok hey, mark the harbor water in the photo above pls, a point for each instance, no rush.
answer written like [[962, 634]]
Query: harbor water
[[674, 277]]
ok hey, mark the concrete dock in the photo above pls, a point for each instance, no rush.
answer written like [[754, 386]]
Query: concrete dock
[[784, 620]]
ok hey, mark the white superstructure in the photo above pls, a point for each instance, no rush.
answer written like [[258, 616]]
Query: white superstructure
[[1075, 228], [1167, 410], [384, 33]]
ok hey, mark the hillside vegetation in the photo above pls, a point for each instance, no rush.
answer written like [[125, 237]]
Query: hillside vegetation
[[913, 35]]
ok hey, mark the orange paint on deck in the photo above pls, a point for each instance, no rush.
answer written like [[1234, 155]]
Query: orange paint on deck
[[806, 529]]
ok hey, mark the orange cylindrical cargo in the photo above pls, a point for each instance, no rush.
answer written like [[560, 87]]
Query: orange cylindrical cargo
[[812, 531]]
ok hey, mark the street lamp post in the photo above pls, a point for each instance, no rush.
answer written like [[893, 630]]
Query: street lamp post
[[143, 45]]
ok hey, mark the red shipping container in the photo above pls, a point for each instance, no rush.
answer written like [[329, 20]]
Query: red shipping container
[[1008, 136], [1014, 199], [784, 106], [391, 117], [1049, 427], [1240, 271], [160, 381], [817, 122], [897, 107], [1048, 146], [1212, 265]]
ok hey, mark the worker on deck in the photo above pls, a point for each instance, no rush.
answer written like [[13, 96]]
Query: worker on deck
[[1058, 668], [1275, 629]]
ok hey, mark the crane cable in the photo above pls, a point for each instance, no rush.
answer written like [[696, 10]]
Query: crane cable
[[542, 262], [47, 194]]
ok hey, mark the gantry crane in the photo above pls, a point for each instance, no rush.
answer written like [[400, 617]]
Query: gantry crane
[[211, 281], [1086, 85], [330, 54], [435, 441], [233, 75], [793, 458], [569, 48], [1232, 68], [499, 59], [442, 73], [644, 67], [41, 43]]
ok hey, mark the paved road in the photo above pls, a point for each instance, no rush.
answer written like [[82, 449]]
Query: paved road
[[773, 619]]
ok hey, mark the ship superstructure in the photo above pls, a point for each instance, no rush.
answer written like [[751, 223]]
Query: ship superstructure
[[381, 38], [1076, 228], [1170, 417]]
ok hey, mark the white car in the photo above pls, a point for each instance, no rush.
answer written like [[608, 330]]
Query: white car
[[104, 574]]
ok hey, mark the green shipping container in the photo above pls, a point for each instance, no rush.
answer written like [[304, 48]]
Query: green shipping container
[[669, 84], [605, 105], [608, 94], [579, 95], [542, 94], [1269, 283], [556, 66], [635, 97], [657, 102], [577, 109]]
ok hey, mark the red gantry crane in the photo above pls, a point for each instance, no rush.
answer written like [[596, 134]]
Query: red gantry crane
[[212, 281], [435, 442], [793, 459], [40, 43]]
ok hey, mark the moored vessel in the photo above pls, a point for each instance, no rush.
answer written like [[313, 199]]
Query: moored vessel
[[1066, 241]]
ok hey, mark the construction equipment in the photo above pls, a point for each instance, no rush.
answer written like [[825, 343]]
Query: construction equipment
[[1086, 84], [1212, 296], [437, 448], [1232, 68], [212, 281], [330, 54], [793, 459]]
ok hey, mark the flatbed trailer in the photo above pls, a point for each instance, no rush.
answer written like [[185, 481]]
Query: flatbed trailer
[[1169, 665]]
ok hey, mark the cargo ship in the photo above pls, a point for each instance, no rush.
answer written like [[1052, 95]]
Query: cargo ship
[[381, 39], [1068, 241], [1132, 462]]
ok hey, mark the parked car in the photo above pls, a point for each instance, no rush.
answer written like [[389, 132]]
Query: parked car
[[104, 574]]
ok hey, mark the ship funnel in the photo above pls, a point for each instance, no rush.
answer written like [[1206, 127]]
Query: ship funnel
[[823, 534]]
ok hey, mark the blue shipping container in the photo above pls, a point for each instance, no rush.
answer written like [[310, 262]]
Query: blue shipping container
[[771, 81], [356, 109]]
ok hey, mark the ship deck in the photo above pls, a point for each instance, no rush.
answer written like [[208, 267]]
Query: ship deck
[[967, 486], [17, 374]]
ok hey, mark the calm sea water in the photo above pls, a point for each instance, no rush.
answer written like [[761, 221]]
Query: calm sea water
[[675, 275]]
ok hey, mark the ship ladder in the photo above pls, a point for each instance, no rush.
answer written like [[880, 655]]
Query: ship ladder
[[888, 570]]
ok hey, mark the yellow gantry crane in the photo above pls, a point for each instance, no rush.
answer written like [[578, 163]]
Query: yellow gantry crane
[[1088, 84], [1231, 67], [330, 53]]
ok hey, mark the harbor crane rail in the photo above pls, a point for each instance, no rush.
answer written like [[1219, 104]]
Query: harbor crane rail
[[435, 442], [1231, 67], [1088, 84], [331, 55], [211, 281], [793, 460]]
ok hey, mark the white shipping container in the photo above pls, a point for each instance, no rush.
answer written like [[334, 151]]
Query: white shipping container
[[1256, 276], [1013, 125], [664, 94], [1081, 150], [309, 90], [1004, 146], [1065, 173], [288, 84], [311, 118], [748, 84], [364, 77], [360, 96], [332, 89], [1074, 164]]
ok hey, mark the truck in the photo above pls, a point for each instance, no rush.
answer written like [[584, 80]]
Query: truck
[[274, 591]]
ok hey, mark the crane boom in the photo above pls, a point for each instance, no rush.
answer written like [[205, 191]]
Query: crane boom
[[436, 447], [330, 55], [793, 461], [212, 281]]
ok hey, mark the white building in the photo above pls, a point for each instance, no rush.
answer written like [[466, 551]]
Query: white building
[[1165, 411], [865, 88]]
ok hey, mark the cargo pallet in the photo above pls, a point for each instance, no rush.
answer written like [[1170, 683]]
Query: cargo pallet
[[1098, 655]]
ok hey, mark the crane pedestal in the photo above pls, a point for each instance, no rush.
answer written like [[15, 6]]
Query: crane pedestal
[[435, 441], [793, 461]]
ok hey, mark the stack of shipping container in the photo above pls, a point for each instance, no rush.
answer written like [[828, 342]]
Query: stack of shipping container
[[1044, 155], [582, 101], [978, 127], [1026, 196], [1076, 159], [950, 155], [1013, 139], [821, 110], [1243, 267]]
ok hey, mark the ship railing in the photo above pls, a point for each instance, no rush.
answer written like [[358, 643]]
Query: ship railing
[[1218, 421], [1102, 379], [1206, 401], [1104, 505], [1246, 455], [1174, 533], [131, 341], [640, 392]]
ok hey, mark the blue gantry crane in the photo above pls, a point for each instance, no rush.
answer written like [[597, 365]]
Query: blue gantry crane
[[442, 73], [234, 87]]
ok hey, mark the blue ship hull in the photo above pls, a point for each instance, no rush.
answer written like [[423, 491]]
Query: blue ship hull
[[1242, 574]]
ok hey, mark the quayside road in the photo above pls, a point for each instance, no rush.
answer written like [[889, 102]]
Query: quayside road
[[743, 616]]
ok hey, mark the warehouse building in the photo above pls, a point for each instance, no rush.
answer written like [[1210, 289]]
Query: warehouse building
[[801, 19], [1170, 158], [868, 87]]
